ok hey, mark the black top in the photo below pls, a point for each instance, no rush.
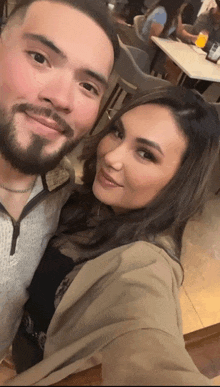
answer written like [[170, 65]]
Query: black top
[[28, 345]]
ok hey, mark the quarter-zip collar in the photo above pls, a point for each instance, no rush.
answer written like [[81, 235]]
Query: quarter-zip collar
[[53, 181]]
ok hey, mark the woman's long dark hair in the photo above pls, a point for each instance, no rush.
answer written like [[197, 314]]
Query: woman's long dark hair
[[179, 200], [172, 9]]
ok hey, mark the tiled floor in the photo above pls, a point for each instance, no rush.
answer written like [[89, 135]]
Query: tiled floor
[[200, 293]]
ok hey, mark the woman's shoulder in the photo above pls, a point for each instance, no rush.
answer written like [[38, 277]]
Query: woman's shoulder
[[158, 15], [145, 257], [160, 249], [160, 10]]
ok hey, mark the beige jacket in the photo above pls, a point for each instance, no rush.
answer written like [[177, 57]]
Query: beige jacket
[[121, 310]]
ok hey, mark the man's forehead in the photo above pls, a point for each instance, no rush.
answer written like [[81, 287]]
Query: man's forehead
[[75, 33], [59, 17], [38, 7]]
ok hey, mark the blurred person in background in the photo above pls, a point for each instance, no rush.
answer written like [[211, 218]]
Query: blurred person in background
[[162, 19], [209, 22]]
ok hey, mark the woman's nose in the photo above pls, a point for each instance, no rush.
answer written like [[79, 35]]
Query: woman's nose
[[115, 158]]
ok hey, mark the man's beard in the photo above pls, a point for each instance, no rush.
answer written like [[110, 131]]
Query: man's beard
[[30, 161]]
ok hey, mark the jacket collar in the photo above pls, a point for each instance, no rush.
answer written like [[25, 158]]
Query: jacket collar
[[56, 178]]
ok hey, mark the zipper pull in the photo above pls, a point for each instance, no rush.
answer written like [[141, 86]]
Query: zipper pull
[[15, 236]]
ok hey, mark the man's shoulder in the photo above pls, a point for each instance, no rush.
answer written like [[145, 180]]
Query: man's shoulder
[[205, 16]]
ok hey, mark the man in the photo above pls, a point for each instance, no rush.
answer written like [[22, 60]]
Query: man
[[55, 60], [209, 21]]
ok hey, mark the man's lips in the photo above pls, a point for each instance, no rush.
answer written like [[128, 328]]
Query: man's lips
[[50, 123], [109, 178]]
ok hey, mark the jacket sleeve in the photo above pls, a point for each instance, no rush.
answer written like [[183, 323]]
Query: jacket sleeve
[[149, 357], [155, 353]]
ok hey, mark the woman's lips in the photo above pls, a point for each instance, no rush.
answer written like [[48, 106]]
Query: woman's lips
[[106, 180]]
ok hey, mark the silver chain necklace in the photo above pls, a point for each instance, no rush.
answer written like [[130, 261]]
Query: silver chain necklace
[[18, 190]]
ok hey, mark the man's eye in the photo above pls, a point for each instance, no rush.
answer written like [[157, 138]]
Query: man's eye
[[90, 87], [38, 57]]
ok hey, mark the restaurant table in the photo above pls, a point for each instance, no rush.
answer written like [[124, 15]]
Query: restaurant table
[[190, 59]]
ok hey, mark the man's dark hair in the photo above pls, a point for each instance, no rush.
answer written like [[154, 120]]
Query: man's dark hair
[[95, 9]]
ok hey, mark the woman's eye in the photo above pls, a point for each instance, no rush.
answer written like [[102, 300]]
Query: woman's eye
[[38, 57], [117, 132], [90, 87], [145, 154]]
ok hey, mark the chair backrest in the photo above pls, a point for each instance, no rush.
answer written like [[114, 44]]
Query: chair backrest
[[141, 58], [138, 24], [128, 66], [217, 106]]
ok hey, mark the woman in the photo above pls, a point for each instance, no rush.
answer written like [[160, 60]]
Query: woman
[[126, 10], [106, 290], [162, 19]]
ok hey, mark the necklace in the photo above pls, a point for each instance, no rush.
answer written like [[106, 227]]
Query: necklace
[[18, 190]]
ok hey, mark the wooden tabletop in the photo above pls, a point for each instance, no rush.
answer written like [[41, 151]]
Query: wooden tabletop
[[190, 59]]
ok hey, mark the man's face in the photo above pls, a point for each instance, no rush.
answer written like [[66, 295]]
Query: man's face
[[54, 67]]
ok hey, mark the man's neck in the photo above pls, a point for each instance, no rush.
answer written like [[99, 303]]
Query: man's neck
[[13, 179], [15, 188]]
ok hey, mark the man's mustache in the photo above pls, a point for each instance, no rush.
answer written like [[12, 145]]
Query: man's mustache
[[44, 112]]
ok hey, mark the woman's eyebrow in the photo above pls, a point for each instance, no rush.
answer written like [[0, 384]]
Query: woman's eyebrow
[[119, 123], [142, 140], [150, 143]]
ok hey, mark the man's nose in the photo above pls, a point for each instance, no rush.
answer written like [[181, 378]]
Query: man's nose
[[59, 92]]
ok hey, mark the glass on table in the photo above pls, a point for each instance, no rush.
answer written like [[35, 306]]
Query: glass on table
[[202, 39]]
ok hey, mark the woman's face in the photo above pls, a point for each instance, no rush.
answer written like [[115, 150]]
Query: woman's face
[[138, 157]]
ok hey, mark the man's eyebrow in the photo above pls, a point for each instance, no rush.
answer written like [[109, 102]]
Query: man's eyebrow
[[150, 143], [99, 77], [46, 42], [41, 38]]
